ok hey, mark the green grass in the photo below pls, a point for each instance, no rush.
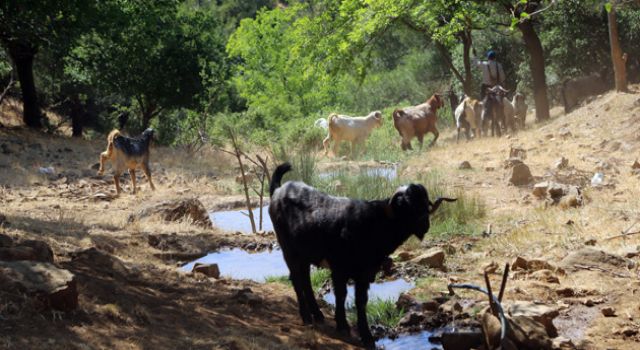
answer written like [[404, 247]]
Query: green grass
[[380, 312], [360, 185], [318, 278]]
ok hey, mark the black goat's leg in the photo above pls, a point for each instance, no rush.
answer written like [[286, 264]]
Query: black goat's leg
[[310, 298], [340, 291], [297, 279], [362, 290]]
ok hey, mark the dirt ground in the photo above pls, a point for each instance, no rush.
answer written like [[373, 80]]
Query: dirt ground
[[132, 296]]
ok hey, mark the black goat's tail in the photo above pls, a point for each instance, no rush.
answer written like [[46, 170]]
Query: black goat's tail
[[276, 178]]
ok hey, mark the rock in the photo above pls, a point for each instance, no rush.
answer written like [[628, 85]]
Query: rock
[[635, 165], [590, 256], [54, 287], [5, 241], [406, 302], [430, 305], [517, 152], [562, 343], [566, 292], [209, 270], [102, 261], [489, 168], [433, 258], [511, 162], [540, 313], [564, 133], [17, 253], [540, 189], [520, 175], [570, 201], [608, 311], [450, 307], [464, 165], [41, 250], [534, 265], [631, 252], [629, 332], [526, 333], [247, 296], [545, 276], [411, 319], [175, 210], [561, 163], [405, 255], [489, 268], [461, 338], [3, 219]]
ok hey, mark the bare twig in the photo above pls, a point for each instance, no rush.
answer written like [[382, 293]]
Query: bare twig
[[505, 276], [494, 310]]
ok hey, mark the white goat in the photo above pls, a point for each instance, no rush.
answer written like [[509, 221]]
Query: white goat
[[321, 123], [352, 129], [468, 116], [520, 106]]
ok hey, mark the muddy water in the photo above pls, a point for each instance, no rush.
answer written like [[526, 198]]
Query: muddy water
[[383, 291], [239, 264], [237, 221], [417, 341]]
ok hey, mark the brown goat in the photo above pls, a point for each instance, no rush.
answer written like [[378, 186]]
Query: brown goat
[[416, 121]]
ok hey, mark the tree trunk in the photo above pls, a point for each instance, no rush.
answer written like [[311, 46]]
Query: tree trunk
[[619, 62], [22, 57], [466, 47], [534, 48]]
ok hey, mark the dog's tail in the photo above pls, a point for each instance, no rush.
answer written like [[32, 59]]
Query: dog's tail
[[276, 178], [112, 135]]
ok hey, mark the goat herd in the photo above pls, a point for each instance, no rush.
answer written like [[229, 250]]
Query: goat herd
[[354, 238], [494, 111]]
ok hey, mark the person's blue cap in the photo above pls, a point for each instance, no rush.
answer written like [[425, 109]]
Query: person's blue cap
[[491, 54]]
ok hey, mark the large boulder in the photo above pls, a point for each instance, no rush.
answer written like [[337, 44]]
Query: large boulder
[[538, 312], [26, 250], [175, 210], [54, 287], [209, 270], [594, 257]]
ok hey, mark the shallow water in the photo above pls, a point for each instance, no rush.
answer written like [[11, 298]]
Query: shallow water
[[237, 221], [417, 341], [384, 291], [239, 264], [387, 172]]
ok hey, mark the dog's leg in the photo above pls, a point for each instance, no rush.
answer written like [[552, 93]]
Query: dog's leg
[[132, 173], [116, 180], [103, 159], [147, 173]]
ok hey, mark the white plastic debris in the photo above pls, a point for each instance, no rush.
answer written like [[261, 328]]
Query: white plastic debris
[[597, 179], [48, 170]]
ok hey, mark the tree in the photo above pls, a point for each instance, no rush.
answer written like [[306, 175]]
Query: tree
[[618, 58], [28, 25], [524, 14], [159, 54]]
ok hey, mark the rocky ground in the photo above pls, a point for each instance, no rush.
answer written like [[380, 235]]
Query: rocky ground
[[82, 269]]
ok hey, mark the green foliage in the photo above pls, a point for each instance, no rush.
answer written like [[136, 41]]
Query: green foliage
[[379, 312], [278, 279], [319, 277]]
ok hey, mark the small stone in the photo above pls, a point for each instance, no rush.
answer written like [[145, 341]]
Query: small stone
[[406, 302], [540, 189], [405, 255], [608, 311], [411, 319], [433, 258], [209, 270], [518, 152], [490, 268], [519, 264], [489, 168], [561, 163], [430, 305], [591, 242], [629, 332], [545, 276], [565, 292], [564, 133], [464, 165]]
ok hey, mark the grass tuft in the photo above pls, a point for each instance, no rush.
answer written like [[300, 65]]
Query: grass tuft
[[379, 312]]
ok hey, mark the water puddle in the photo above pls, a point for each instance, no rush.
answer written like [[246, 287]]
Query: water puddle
[[239, 264], [238, 221], [384, 291], [417, 341], [386, 172]]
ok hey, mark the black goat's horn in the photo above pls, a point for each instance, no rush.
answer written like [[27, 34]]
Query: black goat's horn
[[434, 206]]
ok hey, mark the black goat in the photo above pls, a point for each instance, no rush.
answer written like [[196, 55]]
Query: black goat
[[355, 237]]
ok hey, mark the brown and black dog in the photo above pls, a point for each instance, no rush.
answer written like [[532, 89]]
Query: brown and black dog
[[127, 153]]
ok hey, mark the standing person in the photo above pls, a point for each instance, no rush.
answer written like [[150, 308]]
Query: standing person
[[492, 73]]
